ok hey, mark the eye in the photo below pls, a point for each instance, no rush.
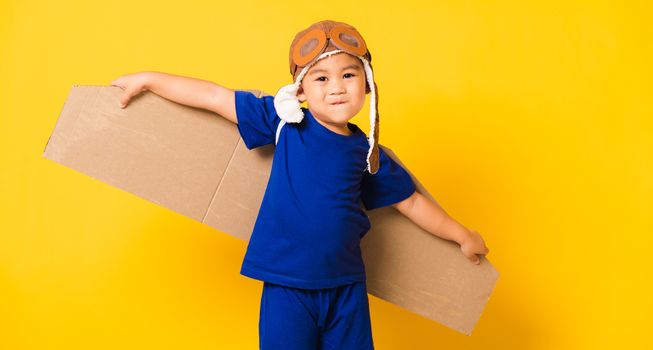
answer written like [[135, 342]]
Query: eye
[[323, 77]]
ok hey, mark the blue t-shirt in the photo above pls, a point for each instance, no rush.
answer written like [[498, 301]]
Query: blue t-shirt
[[308, 230]]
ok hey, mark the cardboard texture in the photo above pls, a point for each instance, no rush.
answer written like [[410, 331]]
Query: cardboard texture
[[194, 162]]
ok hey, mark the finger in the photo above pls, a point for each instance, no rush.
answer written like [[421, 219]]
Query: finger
[[471, 257], [127, 96], [124, 99]]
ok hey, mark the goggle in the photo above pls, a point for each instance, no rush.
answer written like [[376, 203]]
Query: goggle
[[314, 42]]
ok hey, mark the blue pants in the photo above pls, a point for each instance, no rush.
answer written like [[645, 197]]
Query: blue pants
[[315, 319]]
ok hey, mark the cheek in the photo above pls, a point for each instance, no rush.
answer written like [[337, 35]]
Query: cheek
[[361, 83], [359, 86]]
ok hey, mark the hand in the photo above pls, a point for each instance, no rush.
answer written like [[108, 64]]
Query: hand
[[132, 84], [473, 244]]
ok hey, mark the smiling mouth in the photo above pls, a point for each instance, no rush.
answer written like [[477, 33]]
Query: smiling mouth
[[338, 103]]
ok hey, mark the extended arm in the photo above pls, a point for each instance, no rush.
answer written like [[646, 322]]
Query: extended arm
[[184, 90], [432, 218]]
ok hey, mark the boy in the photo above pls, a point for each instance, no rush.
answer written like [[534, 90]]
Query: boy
[[305, 243]]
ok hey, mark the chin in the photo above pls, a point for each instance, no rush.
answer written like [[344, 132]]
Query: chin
[[340, 117], [333, 114]]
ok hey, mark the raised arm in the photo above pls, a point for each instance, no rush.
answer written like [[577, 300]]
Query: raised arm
[[184, 90], [431, 217]]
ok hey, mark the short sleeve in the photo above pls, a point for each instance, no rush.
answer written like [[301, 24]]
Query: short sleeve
[[390, 185], [257, 119]]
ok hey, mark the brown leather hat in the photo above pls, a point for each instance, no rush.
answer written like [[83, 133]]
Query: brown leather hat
[[314, 43], [325, 36]]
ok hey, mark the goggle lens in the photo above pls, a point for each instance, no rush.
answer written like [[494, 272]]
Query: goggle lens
[[313, 42]]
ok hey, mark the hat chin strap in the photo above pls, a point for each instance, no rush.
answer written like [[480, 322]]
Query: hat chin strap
[[289, 109]]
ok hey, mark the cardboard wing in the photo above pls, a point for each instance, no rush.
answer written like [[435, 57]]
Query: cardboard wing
[[194, 162]]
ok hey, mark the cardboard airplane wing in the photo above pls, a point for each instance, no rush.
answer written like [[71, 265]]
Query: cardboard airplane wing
[[194, 162]]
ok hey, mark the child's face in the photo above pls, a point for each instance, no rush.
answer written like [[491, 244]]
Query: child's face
[[338, 77]]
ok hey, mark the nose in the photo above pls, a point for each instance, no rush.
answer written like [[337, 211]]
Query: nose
[[336, 87]]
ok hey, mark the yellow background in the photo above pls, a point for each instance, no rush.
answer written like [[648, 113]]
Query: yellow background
[[529, 122]]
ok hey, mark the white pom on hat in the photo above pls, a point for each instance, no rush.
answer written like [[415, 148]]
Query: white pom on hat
[[287, 104]]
